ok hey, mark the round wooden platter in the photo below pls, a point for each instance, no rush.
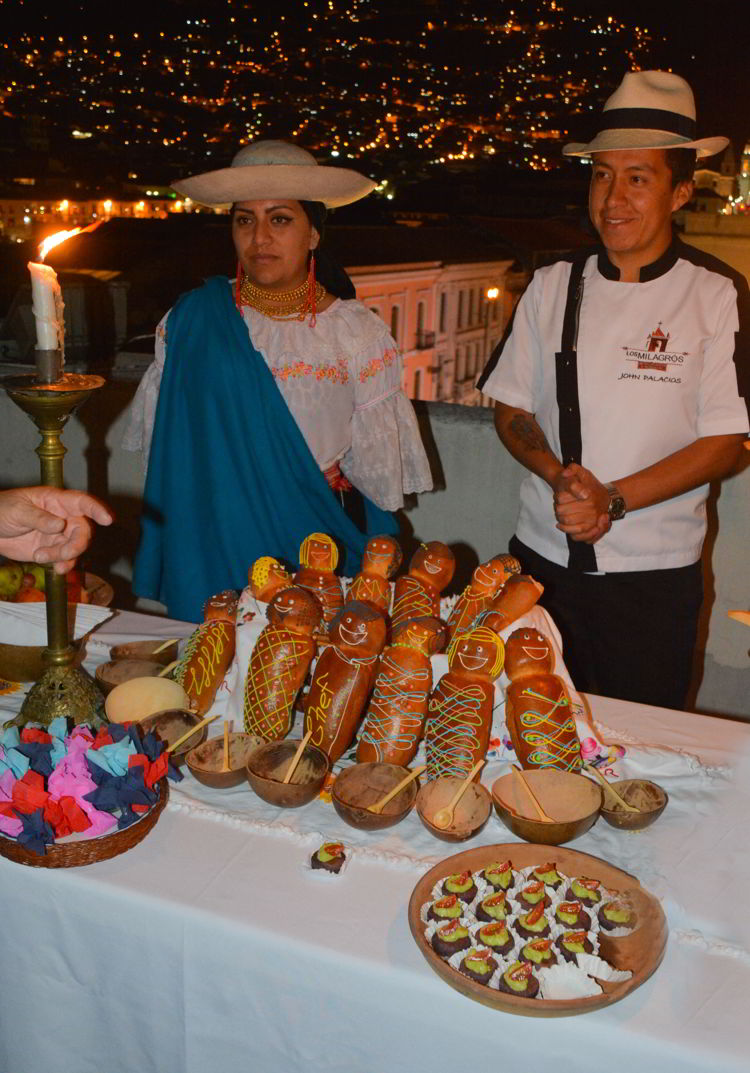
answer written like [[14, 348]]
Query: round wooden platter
[[640, 952]]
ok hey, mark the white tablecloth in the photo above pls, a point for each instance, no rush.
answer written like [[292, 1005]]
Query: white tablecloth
[[211, 945]]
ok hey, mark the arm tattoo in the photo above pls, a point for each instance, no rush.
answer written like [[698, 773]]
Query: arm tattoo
[[528, 433]]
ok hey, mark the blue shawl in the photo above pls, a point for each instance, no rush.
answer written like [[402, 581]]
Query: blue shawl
[[230, 476]]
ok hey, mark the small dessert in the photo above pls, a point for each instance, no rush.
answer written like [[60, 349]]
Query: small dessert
[[450, 938], [584, 890], [478, 965], [330, 857], [549, 875], [499, 876], [533, 925], [497, 937], [462, 884], [533, 894], [572, 915], [448, 908], [493, 908], [519, 980], [539, 953], [572, 943], [616, 914]]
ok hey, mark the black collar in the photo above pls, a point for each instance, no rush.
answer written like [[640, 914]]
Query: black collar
[[648, 272]]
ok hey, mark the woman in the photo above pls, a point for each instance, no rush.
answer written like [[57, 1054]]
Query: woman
[[275, 401]]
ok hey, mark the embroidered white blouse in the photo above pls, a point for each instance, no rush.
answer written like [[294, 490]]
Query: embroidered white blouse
[[341, 380]]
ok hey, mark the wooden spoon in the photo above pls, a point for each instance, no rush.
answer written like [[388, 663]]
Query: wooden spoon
[[225, 765], [608, 786], [193, 730], [540, 811], [296, 758], [444, 817], [377, 808]]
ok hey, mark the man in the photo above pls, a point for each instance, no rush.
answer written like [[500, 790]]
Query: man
[[48, 525], [617, 388]]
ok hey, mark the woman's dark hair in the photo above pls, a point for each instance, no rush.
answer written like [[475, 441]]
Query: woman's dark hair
[[329, 272]]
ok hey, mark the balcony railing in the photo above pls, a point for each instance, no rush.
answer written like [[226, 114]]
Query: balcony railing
[[424, 340]]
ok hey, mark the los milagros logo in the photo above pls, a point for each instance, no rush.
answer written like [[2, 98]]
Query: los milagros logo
[[655, 358]]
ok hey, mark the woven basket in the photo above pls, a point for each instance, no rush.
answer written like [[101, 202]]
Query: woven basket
[[87, 851]]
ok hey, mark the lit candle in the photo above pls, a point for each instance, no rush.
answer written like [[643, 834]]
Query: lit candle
[[47, 303]]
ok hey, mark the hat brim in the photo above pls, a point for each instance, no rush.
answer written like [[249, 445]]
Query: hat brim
[[299, 182], [608, 140]]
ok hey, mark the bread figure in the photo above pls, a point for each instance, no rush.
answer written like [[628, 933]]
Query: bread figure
[[279, 662], [343, 677], [209, 651], [395, 718], [266, 577], [538, 712], [380, 562], [517, 597], [318, 557], [418, 594], [485, 584], [459, 714]]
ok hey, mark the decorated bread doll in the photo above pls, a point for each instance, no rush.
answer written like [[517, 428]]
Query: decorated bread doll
[[209, 651], [485, 584], [430, 570], [380, 562], [266, 577], [517, 597], [343, 677], [537, 705], [279, 662], [395, 718], [459, 715], [318, 557]]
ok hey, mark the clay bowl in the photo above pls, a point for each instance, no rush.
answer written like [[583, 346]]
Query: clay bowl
[[207, 760], [145, 650], [111, 674], [646, 796], [469, 816], [268, 765], [364, 784], [170, 725], [572, 800]]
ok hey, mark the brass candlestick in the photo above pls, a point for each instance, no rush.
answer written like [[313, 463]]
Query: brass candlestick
[[50, 397]]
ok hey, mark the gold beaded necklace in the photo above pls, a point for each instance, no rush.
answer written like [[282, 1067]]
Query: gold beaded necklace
[[280, 305]]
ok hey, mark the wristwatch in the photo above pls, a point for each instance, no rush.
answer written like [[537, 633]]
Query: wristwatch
[[616, 508]]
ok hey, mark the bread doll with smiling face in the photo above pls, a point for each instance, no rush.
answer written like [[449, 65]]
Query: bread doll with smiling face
[[538, 711], [381, 560], [266, 577], [343, 677], [279, 663], [209, 651], [396, 714], [459, 715], [318, 557], [418, 594], [486, 582]]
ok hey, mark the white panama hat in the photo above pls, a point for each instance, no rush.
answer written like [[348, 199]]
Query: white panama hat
[[268, 169], [649, 110]]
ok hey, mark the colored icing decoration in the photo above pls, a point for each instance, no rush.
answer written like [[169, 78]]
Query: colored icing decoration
[[460, 708], [343, 677], [538, 710], [396, 714], [486, 582], [418, 594], [279, 663], [266, 577], [380, 562], [209, 651], [318, 557]]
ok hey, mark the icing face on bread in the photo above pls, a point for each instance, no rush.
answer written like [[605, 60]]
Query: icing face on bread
[[319, 551], [488, 577], [433, 564], [295, 609], [222, 607], [528, 652], [479, 652], [358, 626], [383, 556], [266, 577], [424, 633]]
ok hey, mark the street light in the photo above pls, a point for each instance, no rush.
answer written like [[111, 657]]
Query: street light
[[491, 295]]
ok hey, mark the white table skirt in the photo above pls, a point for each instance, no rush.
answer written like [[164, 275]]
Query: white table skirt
[[211, 946]]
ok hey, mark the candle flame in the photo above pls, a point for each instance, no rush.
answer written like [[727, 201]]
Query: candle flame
[[62, 236]]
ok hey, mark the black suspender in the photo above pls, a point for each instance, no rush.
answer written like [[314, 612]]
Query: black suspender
[[581, 556]]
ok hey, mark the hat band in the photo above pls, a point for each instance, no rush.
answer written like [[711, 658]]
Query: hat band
[[649, 119]]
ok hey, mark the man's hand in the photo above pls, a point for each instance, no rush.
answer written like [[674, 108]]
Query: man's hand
[[48, 525], [581, 504]]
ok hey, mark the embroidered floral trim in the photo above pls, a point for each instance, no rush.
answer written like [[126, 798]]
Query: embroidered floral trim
[[376, 365], [337, 374]]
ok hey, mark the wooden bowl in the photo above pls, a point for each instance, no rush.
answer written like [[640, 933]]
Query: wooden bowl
[[109, 675], [145, 650], [571, 800], [170, 725], [646, 796], [469, 816], [364, 784], [268, 765], [207, 760]]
